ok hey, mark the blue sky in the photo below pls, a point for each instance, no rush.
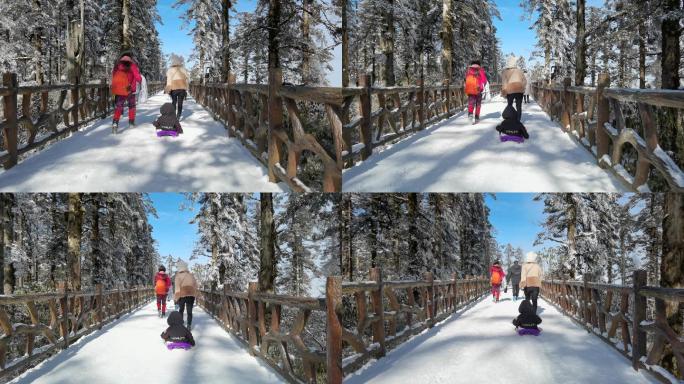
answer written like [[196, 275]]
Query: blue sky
[[176, 40], [514, 30], [172, 230], [516, 218]]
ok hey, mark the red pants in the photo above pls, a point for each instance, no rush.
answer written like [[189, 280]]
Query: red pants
[[161, 303], [120, 101], [496, 290], [475, 102]]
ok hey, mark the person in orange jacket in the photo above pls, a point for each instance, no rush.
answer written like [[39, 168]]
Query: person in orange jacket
[[162, 283], [125, 78], [497, 275]]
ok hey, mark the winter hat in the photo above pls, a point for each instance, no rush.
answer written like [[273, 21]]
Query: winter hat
[[182, 266], [531, 257], [512, 62], [162, 268], [175, 318], [126, 58], [167, 109], [176, 60]]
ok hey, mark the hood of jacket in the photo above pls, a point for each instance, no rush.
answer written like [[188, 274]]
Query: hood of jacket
[[509, 113], [182, 266], [525, 308], [167, 109], [531, 257], [175, 318]]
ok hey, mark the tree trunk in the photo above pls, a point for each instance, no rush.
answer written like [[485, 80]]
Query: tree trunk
[[125, 25], [225, 33], [653, 245], [414, 265], [95, 253], [447, 35], [572, 231], [267, 265], [671, 33], [273, 35], [373, 233], [581, 60], [642, 55], [346, 260], [387, 44], [307, 76], [5, 212], [671, 272], [74, 230], [345, 43]]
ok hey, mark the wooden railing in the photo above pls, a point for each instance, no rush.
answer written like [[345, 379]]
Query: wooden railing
[[328, 338], [34, 326], [595, 117], [619, 315], [386, 114], [48, 113], [255, 114]]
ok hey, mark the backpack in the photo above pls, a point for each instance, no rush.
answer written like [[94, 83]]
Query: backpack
[[160, 286], [472, 84], [496, 278], [120, 84]]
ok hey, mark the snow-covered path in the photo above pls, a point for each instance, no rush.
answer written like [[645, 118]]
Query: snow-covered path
[[456, 156], [481, 346], [204, 159], [131, 351]]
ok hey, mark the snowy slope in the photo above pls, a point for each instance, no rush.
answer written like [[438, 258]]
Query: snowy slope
[[131, 351], [481, 346], [204, 159], [456, 156]]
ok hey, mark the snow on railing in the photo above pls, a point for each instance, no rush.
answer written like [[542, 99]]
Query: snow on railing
[[35, 326], [605, 309], [595, 117], [328, 338]]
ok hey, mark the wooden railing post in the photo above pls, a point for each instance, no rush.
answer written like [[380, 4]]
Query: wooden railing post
[[366, 124], [603, 116], [10, 134], [420, 99], [230, 102], [447, 99], [252, 317], [567, 108], [333, 300], [275, 120], [376, 300], [638, 315], [75, 96], [454, 298], [430, 298], [64, 309], [586, 314]]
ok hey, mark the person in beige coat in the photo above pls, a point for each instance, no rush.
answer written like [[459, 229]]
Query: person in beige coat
[[513, 84], [185, 290], [531, 279], [177, 83]]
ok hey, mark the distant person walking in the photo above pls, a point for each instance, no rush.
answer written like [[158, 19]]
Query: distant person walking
[[496, 277], [531, 279], [177, 83], [475, 83], [185, 290], [514, 278], [162, 283], [513, 83], [526, 96]]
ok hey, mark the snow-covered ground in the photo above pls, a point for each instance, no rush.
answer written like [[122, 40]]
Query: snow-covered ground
[[456, 156], [131, 351], [203, 159], [480, 345]]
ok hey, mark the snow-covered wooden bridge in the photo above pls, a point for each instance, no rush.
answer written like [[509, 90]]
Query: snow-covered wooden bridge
[[436, 331], [419, 138]]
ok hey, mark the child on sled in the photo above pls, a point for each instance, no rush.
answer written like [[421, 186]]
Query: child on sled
[[527, 320], [176, 334], [168, 123]]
